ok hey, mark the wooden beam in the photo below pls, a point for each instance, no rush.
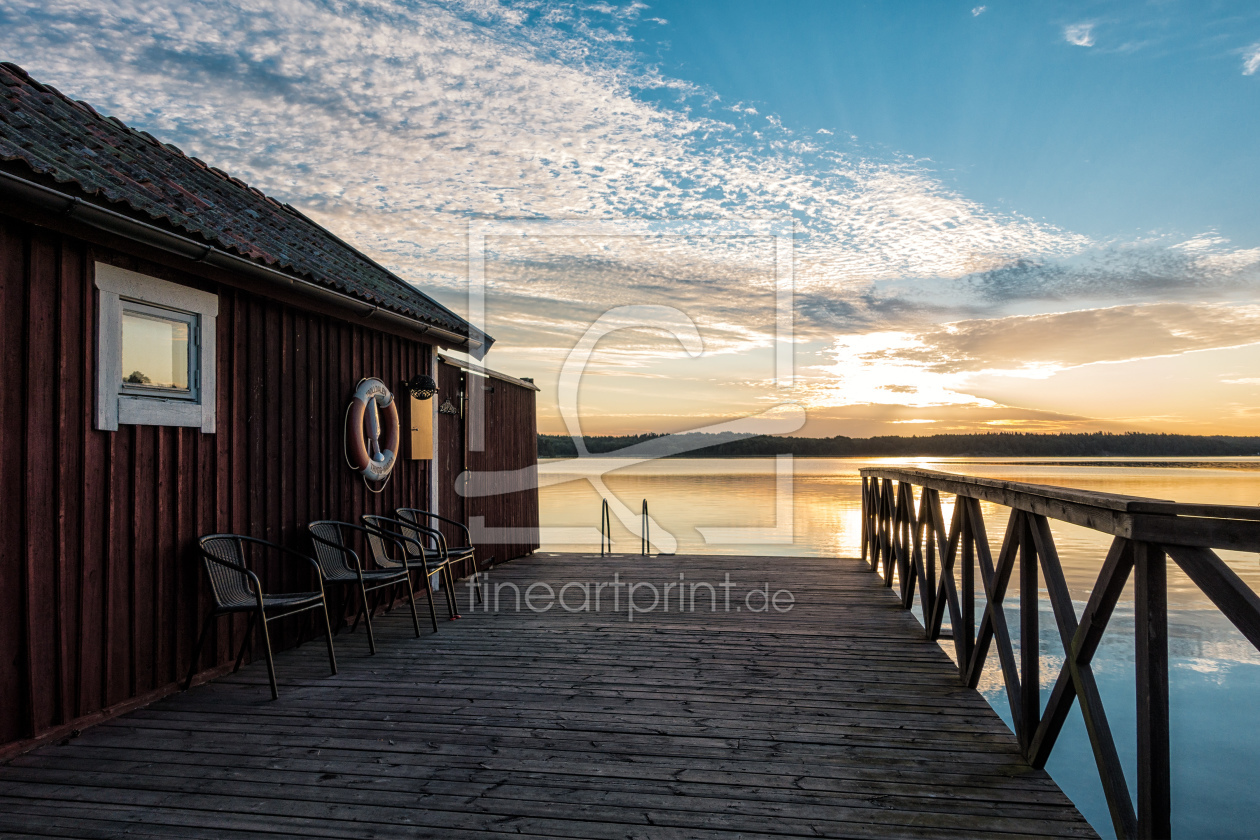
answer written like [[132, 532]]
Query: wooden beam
[[993, 623], [1150, 596], [1077, 678], [1029, 635], [1133, 517], [1227, 590]]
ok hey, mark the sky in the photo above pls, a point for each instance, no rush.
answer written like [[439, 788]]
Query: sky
[[1001, 216]]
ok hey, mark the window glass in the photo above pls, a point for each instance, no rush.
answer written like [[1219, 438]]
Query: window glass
[[155, 350]]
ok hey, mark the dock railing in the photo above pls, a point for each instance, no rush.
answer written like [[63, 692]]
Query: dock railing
[[909, 537]]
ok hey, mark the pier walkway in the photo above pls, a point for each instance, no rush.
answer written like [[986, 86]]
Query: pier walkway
[[836, 718]]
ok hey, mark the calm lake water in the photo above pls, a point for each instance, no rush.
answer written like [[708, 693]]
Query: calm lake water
[[1214, 671]]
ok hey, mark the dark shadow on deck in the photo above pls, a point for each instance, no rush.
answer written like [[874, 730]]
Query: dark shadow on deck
[[836, 719]]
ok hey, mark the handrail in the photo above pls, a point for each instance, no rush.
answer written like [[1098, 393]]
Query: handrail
[[917, 547], [645, 545], [605, 529]]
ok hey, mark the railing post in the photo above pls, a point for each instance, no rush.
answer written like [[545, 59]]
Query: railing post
[[1150, 596], [890, 513], [866, 513], [902, 539], [928, 531], [967, 582], [1029, 636]]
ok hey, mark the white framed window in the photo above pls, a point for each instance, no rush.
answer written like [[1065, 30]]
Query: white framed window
[[155, 363]]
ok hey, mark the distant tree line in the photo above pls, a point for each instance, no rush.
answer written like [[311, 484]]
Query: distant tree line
[[992, 444]]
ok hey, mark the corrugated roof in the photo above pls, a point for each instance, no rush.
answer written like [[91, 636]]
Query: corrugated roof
[[69, 142]]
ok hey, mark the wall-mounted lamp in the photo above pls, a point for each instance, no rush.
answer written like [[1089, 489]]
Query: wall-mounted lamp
[[421, 386]]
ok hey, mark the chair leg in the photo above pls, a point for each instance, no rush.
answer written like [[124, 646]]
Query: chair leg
[[245, 641], [428, 591], [332, 657], [271, 665], [196, 657], [451, 603], [367, 621], [411, 601]]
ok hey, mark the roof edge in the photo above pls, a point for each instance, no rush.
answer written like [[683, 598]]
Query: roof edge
[[119, 224], [487, 372], [478, 335]]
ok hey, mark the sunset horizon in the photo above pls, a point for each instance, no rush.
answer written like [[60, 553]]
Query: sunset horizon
[[1041, 225]]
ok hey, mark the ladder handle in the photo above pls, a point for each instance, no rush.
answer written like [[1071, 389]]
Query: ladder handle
[[605, 529], [645, 529]]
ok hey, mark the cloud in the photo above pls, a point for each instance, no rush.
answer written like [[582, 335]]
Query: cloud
[[1204, 265], [395, 123], [1251, 60], [1080, 34], [935, 367], [976, 12], [1039, 344]]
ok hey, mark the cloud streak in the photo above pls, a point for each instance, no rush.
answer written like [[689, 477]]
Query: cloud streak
[[396, 122], [1039, 344], [1079, 34], [1251, 60]]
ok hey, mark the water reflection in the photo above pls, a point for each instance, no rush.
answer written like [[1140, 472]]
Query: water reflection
[[685, 494], [1214, 671]]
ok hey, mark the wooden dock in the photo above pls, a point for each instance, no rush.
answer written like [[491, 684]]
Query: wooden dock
[[834, 719]]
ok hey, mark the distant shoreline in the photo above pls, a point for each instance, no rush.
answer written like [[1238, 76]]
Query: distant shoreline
[[1136, 448], [1236, 462]]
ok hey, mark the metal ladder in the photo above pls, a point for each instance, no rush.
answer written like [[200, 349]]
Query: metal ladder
[[605, 530]]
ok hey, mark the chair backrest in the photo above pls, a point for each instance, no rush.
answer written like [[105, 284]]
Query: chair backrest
[[436, 522], [407, 519], [230, 587], [378, 530], [332, 552]]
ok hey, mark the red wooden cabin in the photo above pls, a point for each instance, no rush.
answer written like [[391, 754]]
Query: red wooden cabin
[[114, 245]]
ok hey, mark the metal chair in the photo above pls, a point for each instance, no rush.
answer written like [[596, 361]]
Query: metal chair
[[466, 553], [237, 589], [339, 563], [384, 531]]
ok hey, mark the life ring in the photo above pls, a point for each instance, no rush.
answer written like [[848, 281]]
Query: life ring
[[372, 430]]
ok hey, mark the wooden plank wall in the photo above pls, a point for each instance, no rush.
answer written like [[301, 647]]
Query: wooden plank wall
[[511, 444], [101, 595]]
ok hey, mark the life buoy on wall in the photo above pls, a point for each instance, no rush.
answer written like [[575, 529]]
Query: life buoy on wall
[[372, 430]]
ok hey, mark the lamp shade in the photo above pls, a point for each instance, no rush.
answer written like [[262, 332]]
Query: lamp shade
[[421, 386]]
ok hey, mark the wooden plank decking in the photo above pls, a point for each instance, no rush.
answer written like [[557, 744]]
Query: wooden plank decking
[[836, 719]]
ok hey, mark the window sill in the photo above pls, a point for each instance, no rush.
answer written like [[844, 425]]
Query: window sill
[[153, 411]]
